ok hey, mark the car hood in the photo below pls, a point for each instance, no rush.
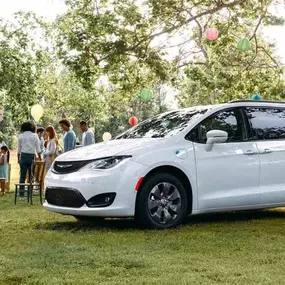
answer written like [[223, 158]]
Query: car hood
[[111, 148]]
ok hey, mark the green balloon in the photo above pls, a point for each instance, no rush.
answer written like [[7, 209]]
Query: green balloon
[[244, 44], [146, 94]]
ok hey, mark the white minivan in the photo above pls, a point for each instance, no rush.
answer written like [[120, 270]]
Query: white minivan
[[185, 162]]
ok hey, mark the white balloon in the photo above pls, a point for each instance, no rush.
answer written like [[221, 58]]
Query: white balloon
[[106, 137]]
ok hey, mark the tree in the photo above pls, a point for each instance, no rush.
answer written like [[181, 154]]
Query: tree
[[106, 107], [21, 62], [104, 38], [217, 71]]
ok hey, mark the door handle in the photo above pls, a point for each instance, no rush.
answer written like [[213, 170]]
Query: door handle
[[250, 152], [266, 151]]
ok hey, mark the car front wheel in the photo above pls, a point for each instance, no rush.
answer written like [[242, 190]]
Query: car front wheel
[[161, 202]]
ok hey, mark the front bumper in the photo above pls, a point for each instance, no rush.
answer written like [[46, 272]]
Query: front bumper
[[121, 180]]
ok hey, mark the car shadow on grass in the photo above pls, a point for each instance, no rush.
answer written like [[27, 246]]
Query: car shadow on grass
[[239, 216], [75, 226], [130, 224]]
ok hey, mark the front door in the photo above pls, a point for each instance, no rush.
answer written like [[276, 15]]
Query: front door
[[228, 175], [268, 129]]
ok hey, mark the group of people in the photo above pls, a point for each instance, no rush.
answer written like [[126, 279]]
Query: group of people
[[42, 144]]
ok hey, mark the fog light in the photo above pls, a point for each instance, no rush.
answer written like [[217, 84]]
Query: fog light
[[107, 199], [101, 200]]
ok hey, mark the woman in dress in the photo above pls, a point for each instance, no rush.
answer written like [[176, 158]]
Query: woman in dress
[[51, 146]]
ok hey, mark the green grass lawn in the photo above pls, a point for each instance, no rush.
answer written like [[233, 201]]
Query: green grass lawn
[[38, 247]]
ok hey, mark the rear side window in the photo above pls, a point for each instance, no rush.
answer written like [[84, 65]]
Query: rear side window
[[229, 120], [266, 123]]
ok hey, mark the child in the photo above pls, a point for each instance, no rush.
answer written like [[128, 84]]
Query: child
[[4, 160]]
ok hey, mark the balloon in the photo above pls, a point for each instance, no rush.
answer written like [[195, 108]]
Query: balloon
[[1, 115], [106, 137], [133, 121], [145, 94], [37, 111], [244, 44], [212, 34], [256, 97]]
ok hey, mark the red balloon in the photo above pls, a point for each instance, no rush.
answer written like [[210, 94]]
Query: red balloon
[[133, 121], [212, 34]]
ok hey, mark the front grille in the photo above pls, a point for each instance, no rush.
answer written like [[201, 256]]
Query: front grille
[[65, 167], [64, 197]]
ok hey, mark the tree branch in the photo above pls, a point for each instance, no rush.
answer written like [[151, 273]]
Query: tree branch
[[256, 50], [193, 18], [257, 26], [269, 55], [255, 39], [264, 66], [199, 15], [97, 7], [176, 45], [200, 37], [171, 29]]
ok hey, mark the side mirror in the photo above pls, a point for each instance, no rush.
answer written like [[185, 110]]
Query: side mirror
[[215, 136]]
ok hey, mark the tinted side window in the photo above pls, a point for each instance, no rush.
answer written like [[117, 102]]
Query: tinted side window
[[229, 121], [267, 123]]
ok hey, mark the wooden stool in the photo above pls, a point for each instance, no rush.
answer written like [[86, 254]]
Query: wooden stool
[[2, 185], [35, 184]]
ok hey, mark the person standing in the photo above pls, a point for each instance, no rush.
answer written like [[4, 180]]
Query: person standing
[[51, 146], [40, 133], [69, 139], [4, 161], [28, 146], [88, 135]]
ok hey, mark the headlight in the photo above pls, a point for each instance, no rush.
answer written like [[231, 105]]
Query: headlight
[[105, 163]]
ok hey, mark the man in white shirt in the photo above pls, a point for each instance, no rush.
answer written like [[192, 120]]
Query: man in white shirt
[[28, 146], [88, 135]]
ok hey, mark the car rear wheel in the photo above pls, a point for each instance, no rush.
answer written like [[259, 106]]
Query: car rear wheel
[[161, 202]]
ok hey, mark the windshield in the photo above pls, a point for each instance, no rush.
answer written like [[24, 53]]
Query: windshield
[[166, 124]]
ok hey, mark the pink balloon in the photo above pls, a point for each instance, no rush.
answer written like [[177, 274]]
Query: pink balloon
[[212, 34]]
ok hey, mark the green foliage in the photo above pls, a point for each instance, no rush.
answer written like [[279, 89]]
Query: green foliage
[[220, 72], [109, 38], [7, 129], [21, 62]]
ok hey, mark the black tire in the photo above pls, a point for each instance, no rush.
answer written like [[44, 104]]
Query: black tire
[[147, 215], [88, 219]]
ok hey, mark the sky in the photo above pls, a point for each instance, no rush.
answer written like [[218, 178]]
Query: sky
[[46, 8]]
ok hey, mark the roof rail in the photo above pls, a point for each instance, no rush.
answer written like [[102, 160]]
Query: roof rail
[[257, 101]]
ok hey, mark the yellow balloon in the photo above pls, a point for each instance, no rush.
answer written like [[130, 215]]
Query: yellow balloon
[[37, 111], [106, 137]]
